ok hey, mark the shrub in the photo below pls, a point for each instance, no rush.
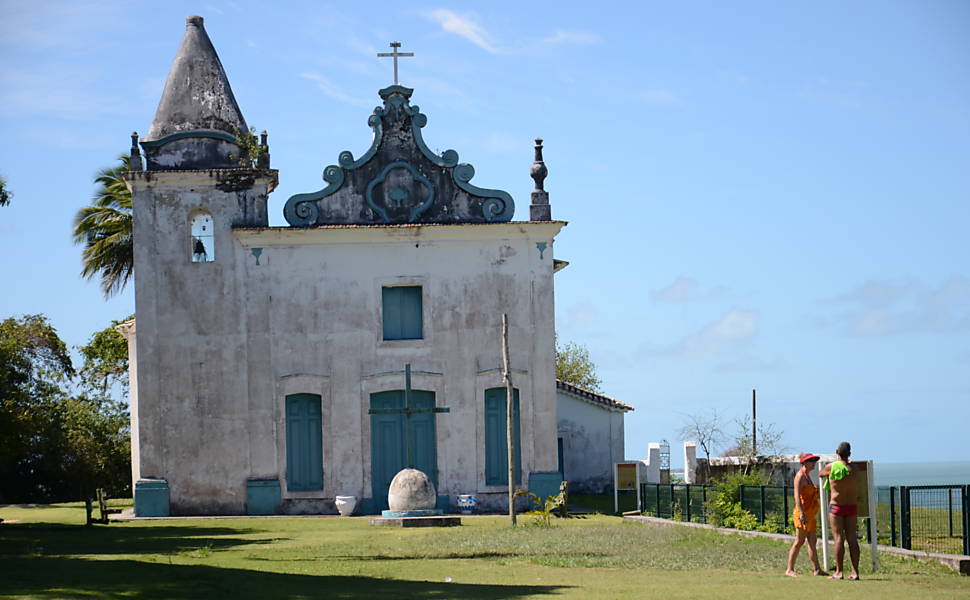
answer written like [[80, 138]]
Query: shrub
[[724, 508]]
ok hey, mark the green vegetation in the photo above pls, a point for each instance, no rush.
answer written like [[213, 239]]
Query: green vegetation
[[724, 508], [573, 365], [63, 432], [5, 193], [49, 555], [104, 228], [250, 148]]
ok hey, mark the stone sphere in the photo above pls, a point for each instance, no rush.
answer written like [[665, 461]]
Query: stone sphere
[[411, 490]]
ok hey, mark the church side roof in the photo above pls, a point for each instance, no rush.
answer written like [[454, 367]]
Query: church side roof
[[197, 94], [593, 397]]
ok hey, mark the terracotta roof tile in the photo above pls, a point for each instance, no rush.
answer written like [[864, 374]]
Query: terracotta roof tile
[[593, 396]]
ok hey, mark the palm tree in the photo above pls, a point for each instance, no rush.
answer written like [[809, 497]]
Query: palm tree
[[104, 228], [5, 194]]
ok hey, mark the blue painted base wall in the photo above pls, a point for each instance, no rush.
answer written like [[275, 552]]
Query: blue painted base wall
[[151, 498], [262, 497]]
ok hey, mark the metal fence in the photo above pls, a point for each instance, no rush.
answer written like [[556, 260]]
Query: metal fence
[[681, 501], [769, 502], [932, 518]]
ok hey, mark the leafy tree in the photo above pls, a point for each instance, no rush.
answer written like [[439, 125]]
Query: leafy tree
[[106, 360], [104, 228], [61, 433], [5, 194], [97, 421], [573, 365], [34, 364], [705, 429]]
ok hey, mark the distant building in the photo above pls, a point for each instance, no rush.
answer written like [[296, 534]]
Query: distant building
[[590, 437]]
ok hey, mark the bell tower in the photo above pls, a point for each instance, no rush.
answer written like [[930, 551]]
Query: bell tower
[[204, 176]]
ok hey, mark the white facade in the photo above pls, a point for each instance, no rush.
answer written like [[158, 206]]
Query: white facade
[[221, 344]]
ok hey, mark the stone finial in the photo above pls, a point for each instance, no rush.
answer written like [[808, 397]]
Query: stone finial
[[134, 164], [263, 161], [193, 20], [539, 210], [539, 170]]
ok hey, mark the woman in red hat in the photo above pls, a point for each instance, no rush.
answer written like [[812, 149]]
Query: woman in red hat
[[804, 517]]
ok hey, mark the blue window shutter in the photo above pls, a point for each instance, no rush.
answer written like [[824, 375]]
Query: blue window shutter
[[402, 313], [496, 448], [304, 447]]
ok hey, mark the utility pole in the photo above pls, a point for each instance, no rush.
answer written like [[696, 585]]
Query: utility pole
[[509, 396], [754, 423]]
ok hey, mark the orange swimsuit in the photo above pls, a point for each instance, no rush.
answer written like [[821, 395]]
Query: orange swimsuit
[[809, 498]]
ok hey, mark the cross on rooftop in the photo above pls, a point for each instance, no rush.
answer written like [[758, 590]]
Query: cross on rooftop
[[394, 55]]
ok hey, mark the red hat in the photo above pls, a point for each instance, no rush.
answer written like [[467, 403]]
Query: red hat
[[804, 457]]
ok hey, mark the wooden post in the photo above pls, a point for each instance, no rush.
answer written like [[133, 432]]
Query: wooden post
[[509, 413]]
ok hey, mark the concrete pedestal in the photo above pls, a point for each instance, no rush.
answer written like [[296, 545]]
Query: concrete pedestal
[[444, 521]]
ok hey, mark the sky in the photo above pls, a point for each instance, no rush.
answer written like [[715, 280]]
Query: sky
[[760, 195]]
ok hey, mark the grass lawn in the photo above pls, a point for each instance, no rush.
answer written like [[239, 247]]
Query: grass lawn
[[47, 554]]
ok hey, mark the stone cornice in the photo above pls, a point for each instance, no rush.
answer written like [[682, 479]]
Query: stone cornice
[[201, 179], [267, 237]]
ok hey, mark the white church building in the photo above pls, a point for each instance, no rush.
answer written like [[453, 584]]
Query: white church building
[[274, 368]]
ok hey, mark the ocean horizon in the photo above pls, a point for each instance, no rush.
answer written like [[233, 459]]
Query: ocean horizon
[[955, 472]]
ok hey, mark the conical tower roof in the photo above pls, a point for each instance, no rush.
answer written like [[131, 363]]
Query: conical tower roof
[[197, 95]]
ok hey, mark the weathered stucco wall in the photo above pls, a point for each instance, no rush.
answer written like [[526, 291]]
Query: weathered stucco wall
[[220, 344], [592, 439], [194, 425]]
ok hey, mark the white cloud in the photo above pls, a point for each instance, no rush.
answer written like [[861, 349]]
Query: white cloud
[[889, 307], [331, 90], [734, 328], [660, 97], [572, 37], [685, 289], [463, 26]]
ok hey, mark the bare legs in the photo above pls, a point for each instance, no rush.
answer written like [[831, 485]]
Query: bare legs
[[801, 537], [813, 553], [845, 529], [852, 535]]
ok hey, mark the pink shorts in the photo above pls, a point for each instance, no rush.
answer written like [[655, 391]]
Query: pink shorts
[[844, 510]]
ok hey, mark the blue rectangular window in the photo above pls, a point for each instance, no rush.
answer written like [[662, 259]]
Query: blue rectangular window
[[402, 312], [496, 448], [304, 448]]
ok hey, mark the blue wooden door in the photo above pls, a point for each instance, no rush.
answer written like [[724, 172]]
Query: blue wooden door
[[388, 441], [304, 450], [496, 437]]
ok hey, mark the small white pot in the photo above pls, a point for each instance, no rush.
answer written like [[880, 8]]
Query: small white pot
[[345, 505]]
